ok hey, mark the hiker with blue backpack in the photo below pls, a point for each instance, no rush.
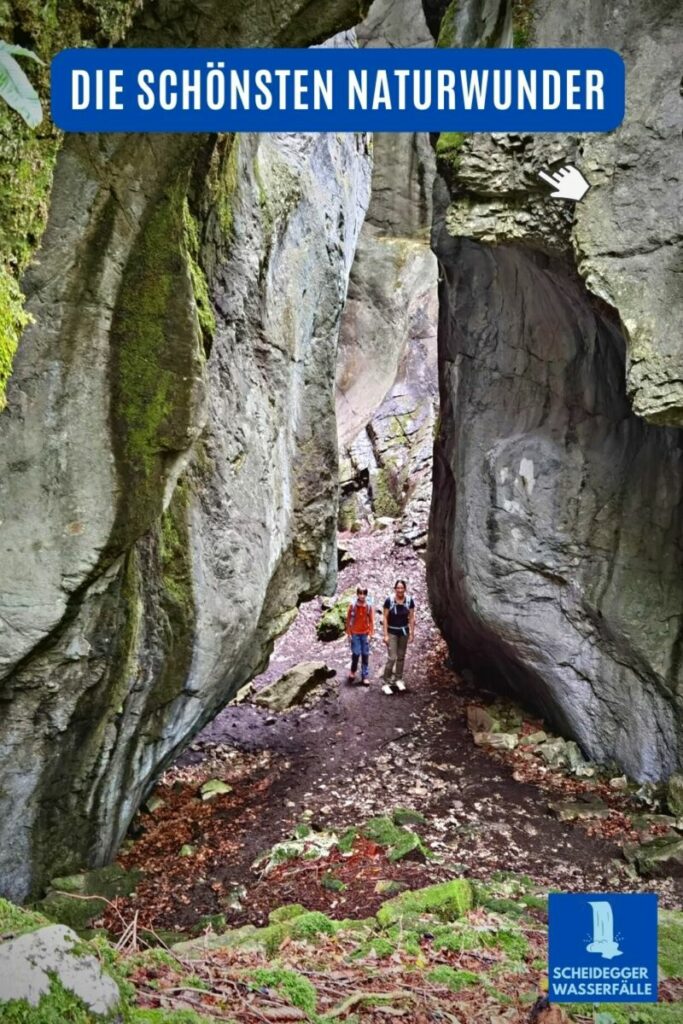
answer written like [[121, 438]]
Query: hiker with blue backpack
[[399, 629], [360, 628]]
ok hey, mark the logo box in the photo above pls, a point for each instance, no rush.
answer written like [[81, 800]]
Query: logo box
[[602, 948]]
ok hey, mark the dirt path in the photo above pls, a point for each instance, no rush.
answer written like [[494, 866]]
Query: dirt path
[[354, 754]]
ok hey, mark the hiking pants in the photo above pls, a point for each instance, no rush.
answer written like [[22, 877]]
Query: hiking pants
[[398, 645], [360, 648]]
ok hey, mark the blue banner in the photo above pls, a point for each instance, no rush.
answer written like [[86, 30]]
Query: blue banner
[[602, 947], [340, 90]]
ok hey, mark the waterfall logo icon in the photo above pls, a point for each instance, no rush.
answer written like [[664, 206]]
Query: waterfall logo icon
[[603, 941]]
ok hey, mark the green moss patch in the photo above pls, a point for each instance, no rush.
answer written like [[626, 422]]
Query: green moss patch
[[27, 156], [447, 28], [671, 943], [286, 913], [293, 986], [399, 842], [17, 921], [453, 979], [447, 900]]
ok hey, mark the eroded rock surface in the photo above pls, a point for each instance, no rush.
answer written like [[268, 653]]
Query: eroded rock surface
[[168, 457], [555, 540], [555, 562]]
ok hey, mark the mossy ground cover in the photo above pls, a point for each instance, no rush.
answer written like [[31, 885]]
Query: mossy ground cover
[[439, 951]]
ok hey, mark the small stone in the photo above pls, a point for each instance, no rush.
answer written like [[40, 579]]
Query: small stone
[[214, 788], [571, 810], [389, 887], [383, 522], [479, 720], [155, 803], [535, 737], [406, 816], [497, 740], [554, 752], [620, 782]]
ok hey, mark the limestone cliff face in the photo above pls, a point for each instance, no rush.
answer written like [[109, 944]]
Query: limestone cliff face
[[386, 371], [556, 554], [168, 455]]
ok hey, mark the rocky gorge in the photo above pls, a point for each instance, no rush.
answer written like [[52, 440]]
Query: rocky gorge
[[226, 330]]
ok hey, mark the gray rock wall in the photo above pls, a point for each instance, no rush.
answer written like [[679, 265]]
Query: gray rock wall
[[555, 558], [386, 370], [168, 456]]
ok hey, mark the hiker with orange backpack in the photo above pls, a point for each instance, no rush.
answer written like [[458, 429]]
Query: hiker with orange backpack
[[360, 628]]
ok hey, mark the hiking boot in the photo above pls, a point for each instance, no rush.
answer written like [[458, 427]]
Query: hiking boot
[[364, 681], [400, 686], [387, 689], [351, 677]]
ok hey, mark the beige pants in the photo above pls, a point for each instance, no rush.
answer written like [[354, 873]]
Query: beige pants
[[398, 645]]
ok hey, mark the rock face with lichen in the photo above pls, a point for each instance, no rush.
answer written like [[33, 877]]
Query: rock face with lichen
[[556, 541], [168, 454]]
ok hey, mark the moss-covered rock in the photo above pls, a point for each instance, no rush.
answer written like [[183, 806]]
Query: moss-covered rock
[[27, 155], [297, 989], [65, 900], [400, 842], [332, 625], [447, 900], [407, 816]]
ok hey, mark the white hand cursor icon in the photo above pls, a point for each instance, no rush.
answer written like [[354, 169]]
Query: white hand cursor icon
[[568, 182]]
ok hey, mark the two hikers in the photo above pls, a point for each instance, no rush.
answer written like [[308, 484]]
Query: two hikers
[[398, 618]]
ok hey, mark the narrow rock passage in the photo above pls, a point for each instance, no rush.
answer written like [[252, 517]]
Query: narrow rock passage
[[351, 754]]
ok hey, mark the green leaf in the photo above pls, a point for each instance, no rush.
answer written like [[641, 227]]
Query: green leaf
[[16, 89], [20, 51]]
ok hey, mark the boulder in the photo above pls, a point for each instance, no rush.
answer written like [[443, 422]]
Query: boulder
[[332, 624], [674, 794], [29, 963], [658, 858], [344, 557], [64, 901], [293, 687]]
